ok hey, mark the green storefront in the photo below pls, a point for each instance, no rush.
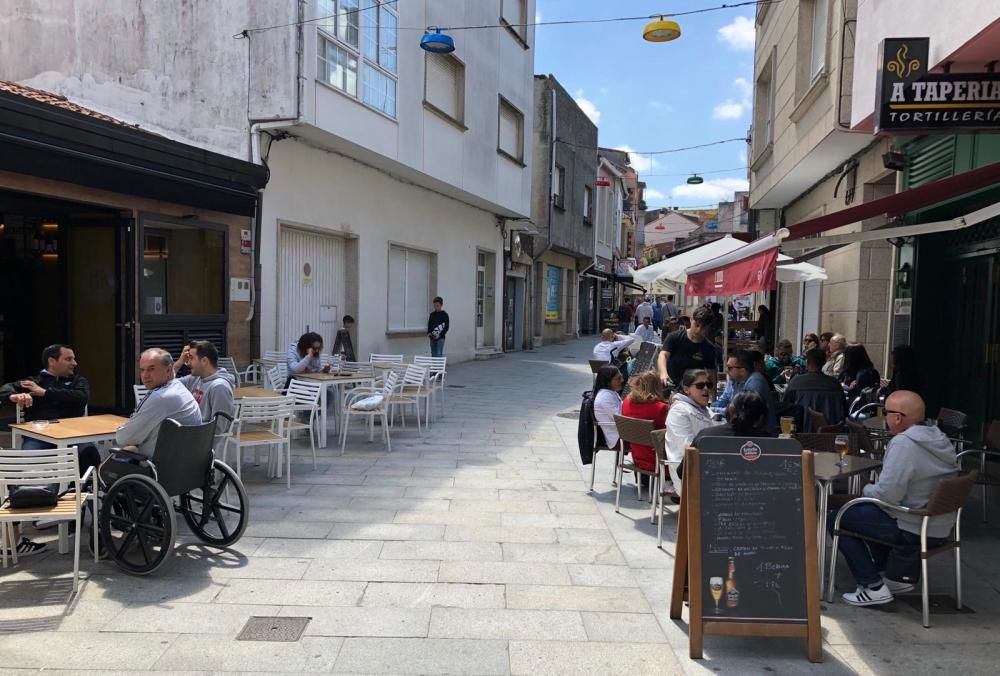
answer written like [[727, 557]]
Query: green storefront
[[950, 282]]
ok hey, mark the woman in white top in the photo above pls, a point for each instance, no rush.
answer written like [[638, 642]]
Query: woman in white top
[[688, 415], [607, 401]]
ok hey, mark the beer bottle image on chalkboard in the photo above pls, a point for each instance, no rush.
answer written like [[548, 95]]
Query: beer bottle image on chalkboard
[[732, 591], [715, 586]]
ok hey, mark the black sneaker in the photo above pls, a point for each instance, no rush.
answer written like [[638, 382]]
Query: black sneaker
[[28, 547]]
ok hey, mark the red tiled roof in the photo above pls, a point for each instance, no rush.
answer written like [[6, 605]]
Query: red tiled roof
[[56, 100]]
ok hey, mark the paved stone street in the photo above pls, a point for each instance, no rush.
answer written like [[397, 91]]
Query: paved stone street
[[476, 549]]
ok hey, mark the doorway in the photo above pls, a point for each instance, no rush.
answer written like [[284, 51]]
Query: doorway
[[513, 314], [485, 298], [66, 279]]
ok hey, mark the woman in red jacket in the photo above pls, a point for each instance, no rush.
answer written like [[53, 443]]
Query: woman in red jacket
[[645, 401]]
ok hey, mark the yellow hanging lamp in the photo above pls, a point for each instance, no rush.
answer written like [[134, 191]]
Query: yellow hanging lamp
[[661, 29]]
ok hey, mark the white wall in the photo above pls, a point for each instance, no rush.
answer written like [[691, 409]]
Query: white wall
[[323, 191], [949, 26]]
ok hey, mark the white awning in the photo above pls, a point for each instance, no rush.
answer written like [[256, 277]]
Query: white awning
[[969, 219], [673, 269], [799, 272]]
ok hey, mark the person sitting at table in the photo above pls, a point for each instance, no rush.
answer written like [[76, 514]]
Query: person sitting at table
[[608, 401], [646, 332], [688, 415], [58, 391], [859, 372], [738, 369], [181, 367], [817, 391], [824, 342], [834, 365], [303, 356], [905, 372], [746, 417], [809, 342], [166, 398], [918, 457], [211, 386], [782, 366], [611, 346], [645, 402]]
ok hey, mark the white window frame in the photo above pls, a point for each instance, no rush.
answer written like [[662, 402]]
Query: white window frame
[[329, 30], [519, 156], [763, 126], [421, 326], [588, 204], [559, 187], [458, 119], [820, 30]]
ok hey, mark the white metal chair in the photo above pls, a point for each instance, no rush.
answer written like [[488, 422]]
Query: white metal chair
[[274, 355], [437, 368], [263, 421], [415, 390], [305, 394], [276, 377], [229, 364], [385, 359], [388, 389], [140, 393], [331, 360], [40, 468]]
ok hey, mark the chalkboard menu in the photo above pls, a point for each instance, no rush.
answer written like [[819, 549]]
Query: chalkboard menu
[[746, 542], [645, 360], [343, 345], [752, 538]]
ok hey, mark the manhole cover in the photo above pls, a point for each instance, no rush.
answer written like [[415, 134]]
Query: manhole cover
[[260, 628], [940, 604]]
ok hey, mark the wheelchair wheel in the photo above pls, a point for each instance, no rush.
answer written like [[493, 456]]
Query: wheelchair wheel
[[137, 524], [218, 513]]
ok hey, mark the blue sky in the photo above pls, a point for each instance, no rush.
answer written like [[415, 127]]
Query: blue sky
[[647, 96]]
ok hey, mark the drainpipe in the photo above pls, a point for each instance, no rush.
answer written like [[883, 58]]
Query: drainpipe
[[535, 324]]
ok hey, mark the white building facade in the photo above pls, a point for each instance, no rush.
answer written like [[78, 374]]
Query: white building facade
[[393, 171]]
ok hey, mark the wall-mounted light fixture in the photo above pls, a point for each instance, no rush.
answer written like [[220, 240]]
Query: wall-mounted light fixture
[[894, 159], [903, 276]]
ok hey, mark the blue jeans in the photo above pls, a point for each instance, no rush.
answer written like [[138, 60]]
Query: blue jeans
[[89, 455], [900, 560], [437, 347]]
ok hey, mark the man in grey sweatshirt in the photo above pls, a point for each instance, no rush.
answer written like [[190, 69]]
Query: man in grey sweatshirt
[[211, 386], [167, 398], [917, 458]]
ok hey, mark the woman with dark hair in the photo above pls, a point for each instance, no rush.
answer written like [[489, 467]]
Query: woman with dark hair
[[905, 372], [810, 342], [303, 356], [607, 401], [645, 401], [859, 372], [688, 415], [747, 414], [765, 328]]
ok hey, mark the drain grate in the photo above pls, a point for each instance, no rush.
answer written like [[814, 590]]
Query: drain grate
[[940, 604], [457, 387], [260, 628]]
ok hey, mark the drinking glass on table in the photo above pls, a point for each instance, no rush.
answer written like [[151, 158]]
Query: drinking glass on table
[[840, 444], [715, 586], [786, 425]]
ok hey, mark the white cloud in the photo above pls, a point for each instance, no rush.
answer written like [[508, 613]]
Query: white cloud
[[653, 194], [587, 106], [739, 33], [538, 17], [714, 190], [743, 157], [734, 110], [660, 105], [643, 164]]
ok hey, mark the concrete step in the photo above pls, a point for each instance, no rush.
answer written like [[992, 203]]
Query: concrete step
[[484, 353]]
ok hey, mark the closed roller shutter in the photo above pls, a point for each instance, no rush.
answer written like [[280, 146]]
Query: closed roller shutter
[[312, 283]]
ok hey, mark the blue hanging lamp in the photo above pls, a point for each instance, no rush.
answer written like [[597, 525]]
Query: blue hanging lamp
[[437, 42]]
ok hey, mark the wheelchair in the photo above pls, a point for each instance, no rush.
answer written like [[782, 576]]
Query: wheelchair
[[137, 521]]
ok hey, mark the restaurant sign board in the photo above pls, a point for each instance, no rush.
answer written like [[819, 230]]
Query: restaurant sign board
[[912, 100]]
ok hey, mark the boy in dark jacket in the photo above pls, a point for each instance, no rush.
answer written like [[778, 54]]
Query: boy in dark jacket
[[437, 327]]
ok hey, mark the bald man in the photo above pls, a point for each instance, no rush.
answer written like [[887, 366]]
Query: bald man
[[917, 458], [611, 345]]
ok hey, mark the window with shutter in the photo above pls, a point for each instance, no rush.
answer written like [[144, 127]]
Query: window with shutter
[[511, 138], [411, 286], [445, 85]]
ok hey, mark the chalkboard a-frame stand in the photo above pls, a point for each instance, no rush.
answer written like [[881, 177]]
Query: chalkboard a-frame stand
[[795, 561]]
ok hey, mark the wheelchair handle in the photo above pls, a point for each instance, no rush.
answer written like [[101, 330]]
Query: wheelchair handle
[[225, 415]]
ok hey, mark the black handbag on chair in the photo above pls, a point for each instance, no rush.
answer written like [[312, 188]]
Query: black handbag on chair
[[29, 497]]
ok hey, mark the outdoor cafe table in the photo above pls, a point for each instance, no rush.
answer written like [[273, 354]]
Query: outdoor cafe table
[[332, 380], [826, 472], [253, 392], [68, 432]]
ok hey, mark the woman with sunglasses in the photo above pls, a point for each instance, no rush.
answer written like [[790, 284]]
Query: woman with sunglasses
[[607, 401], [688, 415], [810, 342]]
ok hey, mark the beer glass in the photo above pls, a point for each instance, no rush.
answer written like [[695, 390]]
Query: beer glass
[[786, 425], [840, 444], [715, 585]]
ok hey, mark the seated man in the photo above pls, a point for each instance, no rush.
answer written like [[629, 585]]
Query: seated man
[[738, 368], [611, 346], [646, 332], [167, 398], [816, 390], [783, 365], [211, 386], [917, 458], [57, 392]]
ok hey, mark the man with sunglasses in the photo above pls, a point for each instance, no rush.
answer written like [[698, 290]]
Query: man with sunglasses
[[918, 457]]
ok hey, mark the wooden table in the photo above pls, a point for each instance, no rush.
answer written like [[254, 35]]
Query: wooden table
[[253, 392], [826, 472], [332, 380], [71, 431]]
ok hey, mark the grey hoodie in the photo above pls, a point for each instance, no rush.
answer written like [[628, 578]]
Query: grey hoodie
[[171, 400], [213, 394], [915, 462]]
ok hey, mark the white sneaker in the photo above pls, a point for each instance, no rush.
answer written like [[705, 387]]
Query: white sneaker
[[897, 587], [864, 596]]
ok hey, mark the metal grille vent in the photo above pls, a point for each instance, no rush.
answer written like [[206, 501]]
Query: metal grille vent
[[263, 628]]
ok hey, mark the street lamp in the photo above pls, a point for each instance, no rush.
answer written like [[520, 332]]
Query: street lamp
[[695, 179], [661, 29], [437, 42]]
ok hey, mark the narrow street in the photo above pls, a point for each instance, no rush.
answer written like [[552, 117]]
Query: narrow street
[[477, 549]]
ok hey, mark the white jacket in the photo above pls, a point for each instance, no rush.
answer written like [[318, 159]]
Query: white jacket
[[608, 404], [685, 420]]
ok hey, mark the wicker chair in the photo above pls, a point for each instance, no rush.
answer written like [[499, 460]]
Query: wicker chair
[[991, 449], [824, 442], [816, 419], [948, 498], [634, 431]]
